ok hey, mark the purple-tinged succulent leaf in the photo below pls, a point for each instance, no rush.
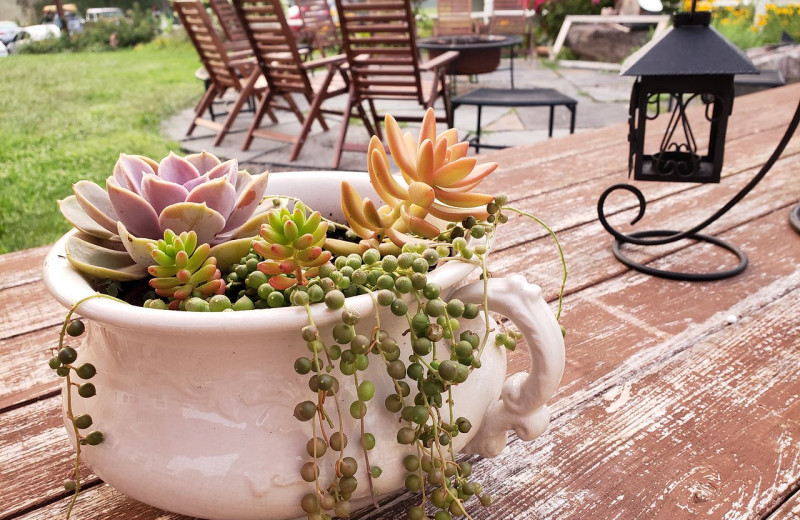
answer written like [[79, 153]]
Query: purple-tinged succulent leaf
[[101, 262], [177, 169], [129, 169], [95, 202], [218, 194], [252, 227], [144, 199], [203, 161], [139, 249], [228, 169], [75, 215], [138, 215], [160, 193], [191, 216], [192, 184], [249, 197]]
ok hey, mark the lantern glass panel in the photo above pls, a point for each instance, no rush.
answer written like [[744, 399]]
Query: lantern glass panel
[[679, 111]]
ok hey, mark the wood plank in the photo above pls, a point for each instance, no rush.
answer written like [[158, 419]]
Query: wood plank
[[579, 243], [591, 244], [26, 375], [789, 510], [34, 443], [599, 355], [22, 267], [580, 405], [752, 115], [576, 202], [101, 502], [710, 432]]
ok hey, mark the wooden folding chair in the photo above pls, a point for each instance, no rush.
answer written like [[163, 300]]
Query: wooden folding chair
[[508, 18], [379, 39], [453, 18], [234, 34], [276, 52], [319, 24], [224, 72]]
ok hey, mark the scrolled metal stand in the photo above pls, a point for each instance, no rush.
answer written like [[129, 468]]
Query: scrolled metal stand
[[794, 218], [661, 237]]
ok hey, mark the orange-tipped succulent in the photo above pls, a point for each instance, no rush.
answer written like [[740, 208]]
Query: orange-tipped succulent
[[291, 244], [438, 182]]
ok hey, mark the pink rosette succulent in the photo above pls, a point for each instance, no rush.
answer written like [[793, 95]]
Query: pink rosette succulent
[[143, 199]]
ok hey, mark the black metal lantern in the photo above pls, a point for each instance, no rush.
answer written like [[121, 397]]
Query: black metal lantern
[[691, 63]]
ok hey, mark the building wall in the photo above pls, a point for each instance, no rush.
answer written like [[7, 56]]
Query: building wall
[[9, 10]]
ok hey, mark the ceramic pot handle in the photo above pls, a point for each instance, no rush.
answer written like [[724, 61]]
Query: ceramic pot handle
[[521, 406]]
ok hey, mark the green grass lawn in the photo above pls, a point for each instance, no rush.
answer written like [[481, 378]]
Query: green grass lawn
[[66, 117]]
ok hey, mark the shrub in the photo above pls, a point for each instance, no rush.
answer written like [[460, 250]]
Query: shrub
[[138, 28], [553, 12]]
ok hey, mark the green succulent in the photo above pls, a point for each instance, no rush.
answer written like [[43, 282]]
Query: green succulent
[[183, 268], [291, 244]]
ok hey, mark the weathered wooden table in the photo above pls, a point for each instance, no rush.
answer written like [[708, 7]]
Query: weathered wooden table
[[680, 400]]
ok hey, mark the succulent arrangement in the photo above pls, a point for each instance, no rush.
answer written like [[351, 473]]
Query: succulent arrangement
[[200, 236]]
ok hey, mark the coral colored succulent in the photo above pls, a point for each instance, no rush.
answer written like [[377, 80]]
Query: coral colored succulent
[[183, 268], [439, 179], [291, 244], [143, 199]]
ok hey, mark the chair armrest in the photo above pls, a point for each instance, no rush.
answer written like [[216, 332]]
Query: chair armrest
[[438, 61], [324, 62]]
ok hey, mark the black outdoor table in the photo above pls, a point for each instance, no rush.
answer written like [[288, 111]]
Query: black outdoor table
[[530, 97]]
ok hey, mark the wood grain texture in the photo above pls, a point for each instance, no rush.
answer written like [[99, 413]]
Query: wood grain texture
[[36, 456], [679, 400], [789, 510], [22, 267]]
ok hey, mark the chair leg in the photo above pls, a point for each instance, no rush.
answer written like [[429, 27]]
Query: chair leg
[[262, 109], [202, 106], [320, 116], [293, 107], [244, 94], [337, 154], [313, 113], [376, 119]]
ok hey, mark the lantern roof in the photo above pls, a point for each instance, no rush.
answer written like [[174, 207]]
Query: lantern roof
[[690, 47]]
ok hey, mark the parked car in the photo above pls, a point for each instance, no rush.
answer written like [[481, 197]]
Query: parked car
[[3, 50], [98, 14], [33, 33], [8, 30]]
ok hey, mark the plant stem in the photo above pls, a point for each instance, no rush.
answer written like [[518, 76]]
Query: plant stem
[[560, 252]]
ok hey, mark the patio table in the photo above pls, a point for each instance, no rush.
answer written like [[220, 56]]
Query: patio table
[[679, 400]]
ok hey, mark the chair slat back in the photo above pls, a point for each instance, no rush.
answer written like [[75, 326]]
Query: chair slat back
[[274, 45], [379, 38], [228, 20], [508, 17], [207, 42], [318, 21], [454, 17]]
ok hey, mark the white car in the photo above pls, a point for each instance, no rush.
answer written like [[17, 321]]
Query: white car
[[7, 30], [33, 33]]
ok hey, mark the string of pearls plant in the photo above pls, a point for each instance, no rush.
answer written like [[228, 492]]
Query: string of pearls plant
[[289, 255]]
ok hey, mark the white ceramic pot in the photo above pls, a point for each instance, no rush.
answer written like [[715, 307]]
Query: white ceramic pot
[[197, 408]]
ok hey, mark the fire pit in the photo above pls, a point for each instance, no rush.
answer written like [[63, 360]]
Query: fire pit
[[478, 53]]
